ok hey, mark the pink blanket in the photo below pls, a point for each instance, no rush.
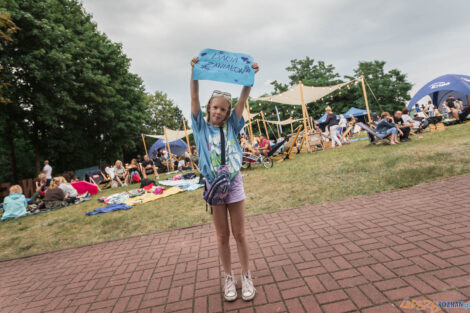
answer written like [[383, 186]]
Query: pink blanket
[[83, 186]]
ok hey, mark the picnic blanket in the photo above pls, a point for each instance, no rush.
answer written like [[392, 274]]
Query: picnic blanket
[[191, 187], [120, 197], [109, 208], [151, 196], [173, 183]]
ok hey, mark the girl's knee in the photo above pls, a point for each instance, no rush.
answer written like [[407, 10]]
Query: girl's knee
[[223, 238], [239, 236]]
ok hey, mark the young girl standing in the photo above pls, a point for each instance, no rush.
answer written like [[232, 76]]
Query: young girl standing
[[208, 142]]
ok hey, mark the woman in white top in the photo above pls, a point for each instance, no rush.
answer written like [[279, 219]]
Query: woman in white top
[[71, 193], [120, 173]]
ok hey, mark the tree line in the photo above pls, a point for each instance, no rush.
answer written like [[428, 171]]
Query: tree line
[[67, 94]]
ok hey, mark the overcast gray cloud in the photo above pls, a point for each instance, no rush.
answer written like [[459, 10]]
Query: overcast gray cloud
[[424, 39]]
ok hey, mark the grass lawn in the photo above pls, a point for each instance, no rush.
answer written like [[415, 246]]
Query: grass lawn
[[308, 178]]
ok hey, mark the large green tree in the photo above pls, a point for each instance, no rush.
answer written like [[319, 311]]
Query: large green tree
[[71, 91], [386, 90], [162, 111]]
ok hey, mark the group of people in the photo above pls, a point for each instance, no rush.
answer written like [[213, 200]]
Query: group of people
[[137, 170], [50, 193], [132, 172], [451, 108]]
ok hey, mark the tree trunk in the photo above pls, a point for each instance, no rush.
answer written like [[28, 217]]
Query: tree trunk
[[11, 143], [37, 159]]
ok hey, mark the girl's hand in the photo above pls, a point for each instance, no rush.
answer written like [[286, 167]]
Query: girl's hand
[[255, 66], [194, 61]]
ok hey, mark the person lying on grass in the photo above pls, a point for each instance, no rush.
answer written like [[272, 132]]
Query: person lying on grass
[[208, 139]]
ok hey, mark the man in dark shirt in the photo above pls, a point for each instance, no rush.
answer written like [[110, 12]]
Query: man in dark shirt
[[405, 129], [148, 167], [450, 102], [332, 122]]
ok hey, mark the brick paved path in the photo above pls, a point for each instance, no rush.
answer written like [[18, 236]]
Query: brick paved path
[[360, 254]]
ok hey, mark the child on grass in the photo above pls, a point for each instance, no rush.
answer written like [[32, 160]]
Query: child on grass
[[208, 142], [15, 204]]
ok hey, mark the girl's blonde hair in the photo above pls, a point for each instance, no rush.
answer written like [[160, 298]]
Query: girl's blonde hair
[[61, 180], [16, 189], [118, 162], [208, 107], [55, 182], [41, 176]]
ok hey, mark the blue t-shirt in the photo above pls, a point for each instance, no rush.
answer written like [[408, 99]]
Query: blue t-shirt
[[208, 145]]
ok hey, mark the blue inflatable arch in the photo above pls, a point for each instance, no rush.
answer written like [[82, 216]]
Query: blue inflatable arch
[[440, 88]]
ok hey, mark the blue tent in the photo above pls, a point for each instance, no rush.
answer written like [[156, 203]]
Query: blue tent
[[323, 118], [355, 112], [442, 87], [177, 147]]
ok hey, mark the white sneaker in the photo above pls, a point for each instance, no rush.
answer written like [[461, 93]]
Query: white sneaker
[[248, 290], [230, 288]]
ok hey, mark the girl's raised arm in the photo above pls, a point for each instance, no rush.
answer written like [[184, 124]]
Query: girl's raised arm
[[240, 106], [194, 86]]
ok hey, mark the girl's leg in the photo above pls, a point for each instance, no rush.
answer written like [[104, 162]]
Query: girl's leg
[[237, 221], [219, 216]]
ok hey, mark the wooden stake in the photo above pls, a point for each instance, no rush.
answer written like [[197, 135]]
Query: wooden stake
[[291, 128], [169, 151], [278, 131], [250, 127], [145, 146], [305, 114], [265, 128], [259, 128], [365, 98], [187, 142]]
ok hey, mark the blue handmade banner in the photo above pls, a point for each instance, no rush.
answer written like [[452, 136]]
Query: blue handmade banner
[[223, 66]]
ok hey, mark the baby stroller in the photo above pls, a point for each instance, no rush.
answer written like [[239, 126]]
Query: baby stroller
[[249, 158]]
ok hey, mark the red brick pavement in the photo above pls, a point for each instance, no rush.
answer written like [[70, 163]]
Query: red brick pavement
[[359, 254]]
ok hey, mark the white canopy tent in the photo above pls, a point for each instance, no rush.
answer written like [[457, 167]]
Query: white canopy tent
[[310, 94], [285, 122], [171, 134]]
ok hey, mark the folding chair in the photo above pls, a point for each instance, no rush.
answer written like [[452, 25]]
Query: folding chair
[[98, 178], [289, 146], [374, 139]]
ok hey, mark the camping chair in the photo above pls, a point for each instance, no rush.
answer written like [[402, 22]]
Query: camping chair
[[288, 147], [98, 178], [277, 146], [374, 139], [348, 132]]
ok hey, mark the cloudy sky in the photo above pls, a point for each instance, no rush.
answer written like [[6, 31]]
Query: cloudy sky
[[422, 38]]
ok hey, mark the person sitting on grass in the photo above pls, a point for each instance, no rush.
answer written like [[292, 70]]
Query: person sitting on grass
[[148, 167], [386, 127], [194, 156], [264, 145], [404, 127], [41, 187], [71, 193], [120, 173], [418, 126], [54, 197], [134, 172], [15, 204]]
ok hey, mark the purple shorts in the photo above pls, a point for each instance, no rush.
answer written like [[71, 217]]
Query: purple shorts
[[237, 193]]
